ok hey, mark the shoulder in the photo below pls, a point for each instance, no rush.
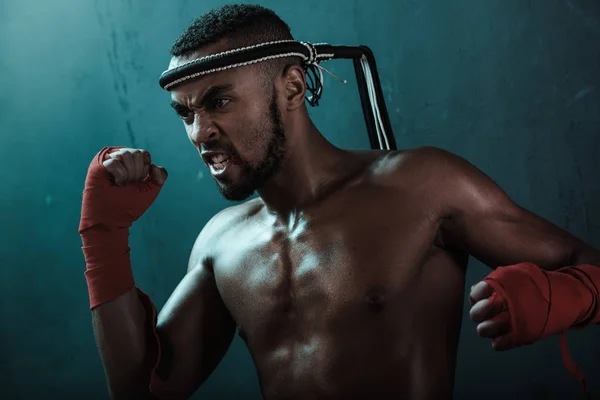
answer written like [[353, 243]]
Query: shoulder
[[227, 220], [425, 165], [428, 158], [452, 182], [231, 217]]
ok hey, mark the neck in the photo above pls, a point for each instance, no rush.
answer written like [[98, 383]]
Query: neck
[[311, 167]]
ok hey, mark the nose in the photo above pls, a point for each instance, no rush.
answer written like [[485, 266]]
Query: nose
[[202, 130]]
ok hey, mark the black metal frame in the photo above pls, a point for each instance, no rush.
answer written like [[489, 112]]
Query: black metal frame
[[356, 53]]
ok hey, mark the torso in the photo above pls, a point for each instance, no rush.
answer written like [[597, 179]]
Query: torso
[[355, 298]]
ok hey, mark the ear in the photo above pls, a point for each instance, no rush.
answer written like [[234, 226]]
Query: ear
[[294, 79]]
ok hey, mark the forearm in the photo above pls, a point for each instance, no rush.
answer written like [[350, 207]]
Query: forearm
[[124, 334], [583, 283], [123, 316], [585, 266]]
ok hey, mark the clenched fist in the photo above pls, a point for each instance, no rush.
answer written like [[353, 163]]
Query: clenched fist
[[120, 186], [490, 312], [133, 165]]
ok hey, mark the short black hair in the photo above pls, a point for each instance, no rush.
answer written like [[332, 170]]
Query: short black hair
[[239, 25]]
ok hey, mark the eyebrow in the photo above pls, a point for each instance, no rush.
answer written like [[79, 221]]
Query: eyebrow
[[210, 94]]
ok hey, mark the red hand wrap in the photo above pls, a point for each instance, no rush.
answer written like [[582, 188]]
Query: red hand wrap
[[107, 212], [542, 303], [538, 304]]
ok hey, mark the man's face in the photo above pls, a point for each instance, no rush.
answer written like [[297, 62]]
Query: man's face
[[235, 122]]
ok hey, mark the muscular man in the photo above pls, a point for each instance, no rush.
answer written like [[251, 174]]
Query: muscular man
[[345, 277]]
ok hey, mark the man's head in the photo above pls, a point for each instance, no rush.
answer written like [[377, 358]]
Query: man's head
[[240, 113]]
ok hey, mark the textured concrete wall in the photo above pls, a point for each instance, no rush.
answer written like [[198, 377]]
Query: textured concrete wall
[[511, 85]]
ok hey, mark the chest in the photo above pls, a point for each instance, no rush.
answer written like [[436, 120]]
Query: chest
[[350, 255]]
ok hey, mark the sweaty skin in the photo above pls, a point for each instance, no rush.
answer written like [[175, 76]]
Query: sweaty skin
[[337, 303], [345, 278], [360, 295]]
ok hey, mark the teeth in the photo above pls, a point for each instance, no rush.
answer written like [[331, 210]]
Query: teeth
[[219, 158], [218, 166]]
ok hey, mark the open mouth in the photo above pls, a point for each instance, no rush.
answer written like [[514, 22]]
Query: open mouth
[[219, 162]]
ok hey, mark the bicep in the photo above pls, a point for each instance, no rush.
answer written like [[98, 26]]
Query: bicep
[[195, 330], [510, 235], [483, 221]]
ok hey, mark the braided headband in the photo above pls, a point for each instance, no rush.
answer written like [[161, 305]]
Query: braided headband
[[369, 87]]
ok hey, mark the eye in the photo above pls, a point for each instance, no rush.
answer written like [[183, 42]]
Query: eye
[[188, 119], [186, 115], [219, 103]]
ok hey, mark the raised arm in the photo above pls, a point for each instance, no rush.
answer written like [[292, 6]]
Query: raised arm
[[193, 331]]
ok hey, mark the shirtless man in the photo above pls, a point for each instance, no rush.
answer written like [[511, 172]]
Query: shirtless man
[[345, 277]]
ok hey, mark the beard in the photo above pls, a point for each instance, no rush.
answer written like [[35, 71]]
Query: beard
[[254, 177]]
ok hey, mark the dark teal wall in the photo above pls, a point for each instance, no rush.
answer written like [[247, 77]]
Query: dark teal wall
[[511, 85]]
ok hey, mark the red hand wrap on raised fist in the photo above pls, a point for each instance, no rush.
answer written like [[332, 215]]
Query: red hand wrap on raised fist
[[107, 212]]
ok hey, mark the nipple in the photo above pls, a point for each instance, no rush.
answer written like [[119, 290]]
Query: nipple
[[375, 301]]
